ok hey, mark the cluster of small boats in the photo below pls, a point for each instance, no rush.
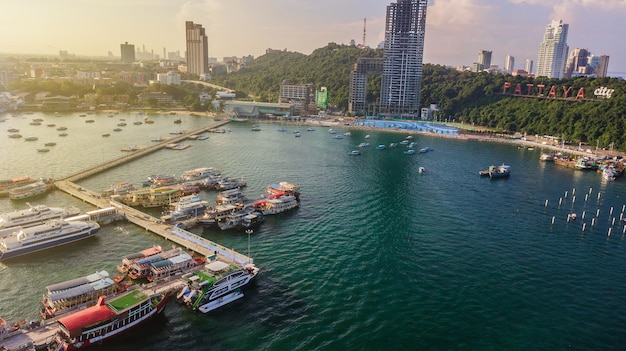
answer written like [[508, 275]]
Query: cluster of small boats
[[501, 171], [93, 308], [410, 146], [610, 169]]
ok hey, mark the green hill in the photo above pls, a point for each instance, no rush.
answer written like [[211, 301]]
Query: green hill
[[463, 96]]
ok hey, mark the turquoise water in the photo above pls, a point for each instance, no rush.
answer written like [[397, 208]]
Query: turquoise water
[[377, 256]]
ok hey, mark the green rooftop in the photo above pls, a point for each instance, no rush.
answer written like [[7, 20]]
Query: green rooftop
[[125, 301]]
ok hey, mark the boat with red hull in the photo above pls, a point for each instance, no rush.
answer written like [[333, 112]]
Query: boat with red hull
[[107, 319]]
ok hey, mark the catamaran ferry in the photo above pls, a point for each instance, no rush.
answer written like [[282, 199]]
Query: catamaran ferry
[[34, 215], [45, 236]]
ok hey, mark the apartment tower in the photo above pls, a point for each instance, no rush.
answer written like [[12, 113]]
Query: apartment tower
[[128, 52], [197, 49], [553, 51], [401, 79]]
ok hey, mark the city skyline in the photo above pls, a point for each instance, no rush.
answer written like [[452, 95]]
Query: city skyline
[[456, 30]]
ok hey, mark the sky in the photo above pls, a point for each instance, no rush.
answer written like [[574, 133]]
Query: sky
[[455, 29]]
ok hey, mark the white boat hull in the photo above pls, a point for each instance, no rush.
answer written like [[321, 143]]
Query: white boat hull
[[224, 300]]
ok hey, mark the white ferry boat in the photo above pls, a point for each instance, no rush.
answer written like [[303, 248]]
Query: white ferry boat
[[29, 190], [242, 219], [199, 173], [45, 236], [276, 205], [213, 215], [232, 196], [34, 215], [215, 286]]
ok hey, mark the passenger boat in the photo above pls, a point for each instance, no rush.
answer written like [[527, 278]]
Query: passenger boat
[[108, 318], [35, 215], [8, 184], [29, 190], [283, 188], [199, 173], [119, 189], [213, 215], [162, 180], [141, 267], [230, 183], [129, 260], [45, 236], [245, 218], [276, 205], [151, 197], [171, 266], [186, 207], [75, 293], [216, 285], [232, 196], [501, 171]]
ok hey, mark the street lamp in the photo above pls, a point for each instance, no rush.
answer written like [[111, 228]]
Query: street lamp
[[249, 231]]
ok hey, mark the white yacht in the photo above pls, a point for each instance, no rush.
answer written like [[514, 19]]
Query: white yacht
[[34, 215]]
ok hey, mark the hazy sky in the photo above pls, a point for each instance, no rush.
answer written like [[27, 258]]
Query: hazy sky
[[456, 29]]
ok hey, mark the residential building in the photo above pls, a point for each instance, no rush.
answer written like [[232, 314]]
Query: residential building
[[128, 52], [528, 66], [553, 51], [169, 78], [603, 66], [484, 60], [509, 64], [300, 96], [357, 101], [401, 81], [577, 62], [197, 49]]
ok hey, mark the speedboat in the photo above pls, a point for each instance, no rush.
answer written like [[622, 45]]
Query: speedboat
[[381, 147], [364, 144], [355, 153], [409, 152]]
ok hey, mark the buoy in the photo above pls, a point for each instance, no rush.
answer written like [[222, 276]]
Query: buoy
[[573, 191], [546, 205], [609, 232], [593, 222], [565, 194], [613, 222], [623, 206], [573, 199], [611, 211], [584, 225], [586, 197], [553, 222], [568, 217], [599, 195], [560, 201], [583, 216], [590, 190], [597, 213], [624, 229]]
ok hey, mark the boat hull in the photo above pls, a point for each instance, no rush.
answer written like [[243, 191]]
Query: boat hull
[[4, 255]]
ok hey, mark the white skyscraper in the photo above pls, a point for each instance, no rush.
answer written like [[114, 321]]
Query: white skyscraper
[[528, 66], [509, 63], [553, 51]]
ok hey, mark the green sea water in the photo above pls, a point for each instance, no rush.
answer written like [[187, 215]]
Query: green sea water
[[377, 256]]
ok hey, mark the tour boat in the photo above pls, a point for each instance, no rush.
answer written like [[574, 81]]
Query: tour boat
[[44, 236], [501, 171], [29, 190], [276, 205], [218, 284], [108, 318], [35, 215], [129, 260]]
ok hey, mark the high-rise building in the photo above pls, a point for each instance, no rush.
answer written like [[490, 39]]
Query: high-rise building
[[401, 81], [528, 66], [197, 49], [577, 62], [553, 51], [603, 67], [509, 63], [484, 60], [128, 52]]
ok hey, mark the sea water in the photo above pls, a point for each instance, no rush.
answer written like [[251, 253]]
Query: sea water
[[377, 256]]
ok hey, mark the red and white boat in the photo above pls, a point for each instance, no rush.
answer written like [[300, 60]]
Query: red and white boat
[[107, 319]]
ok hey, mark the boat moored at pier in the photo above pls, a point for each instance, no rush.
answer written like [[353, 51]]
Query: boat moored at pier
[[30, 190], [276, 205], [34, 215], [216, 285], [45, 236], [108, 318], [129, 260]]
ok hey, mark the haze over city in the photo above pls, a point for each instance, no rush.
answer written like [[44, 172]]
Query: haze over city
[[456, 29]]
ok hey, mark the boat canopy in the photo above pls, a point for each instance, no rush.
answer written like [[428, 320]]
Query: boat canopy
[[80, 290], [78, 281], [216, 266]]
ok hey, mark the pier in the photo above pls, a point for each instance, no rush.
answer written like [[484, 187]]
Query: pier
[[41, 335]]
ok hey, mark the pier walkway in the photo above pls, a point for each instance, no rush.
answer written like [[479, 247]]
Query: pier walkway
[[140, 152]]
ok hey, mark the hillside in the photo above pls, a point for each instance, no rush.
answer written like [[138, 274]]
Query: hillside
[[474, 98]]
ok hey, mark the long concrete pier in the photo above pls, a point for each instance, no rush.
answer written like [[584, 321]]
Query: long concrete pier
[[139, 153]]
